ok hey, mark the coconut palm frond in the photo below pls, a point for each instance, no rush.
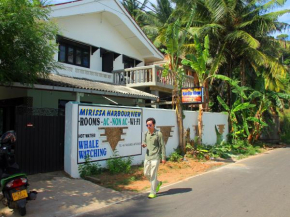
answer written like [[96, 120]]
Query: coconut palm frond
[[245, 37]]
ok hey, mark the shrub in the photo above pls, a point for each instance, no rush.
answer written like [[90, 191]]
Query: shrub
[[200, 152], [88, 168], [116, 164], [175, 157], [285, 127]]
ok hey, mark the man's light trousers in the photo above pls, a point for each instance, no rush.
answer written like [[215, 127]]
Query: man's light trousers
[[150, 171]]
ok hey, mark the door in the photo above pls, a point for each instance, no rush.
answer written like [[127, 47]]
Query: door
[[40, 140], [107, 62]]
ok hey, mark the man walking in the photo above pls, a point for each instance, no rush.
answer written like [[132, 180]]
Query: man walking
[[153, 140]]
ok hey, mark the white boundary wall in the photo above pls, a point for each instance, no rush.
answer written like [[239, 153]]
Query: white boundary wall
[[164, 118]]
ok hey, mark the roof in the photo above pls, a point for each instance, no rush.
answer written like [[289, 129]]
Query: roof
[[68, 84], [120, 20]]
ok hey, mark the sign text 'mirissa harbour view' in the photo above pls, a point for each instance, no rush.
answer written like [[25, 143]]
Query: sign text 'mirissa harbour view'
[[105, 130]]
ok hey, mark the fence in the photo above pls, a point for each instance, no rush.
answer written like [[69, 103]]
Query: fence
[[122, 129]]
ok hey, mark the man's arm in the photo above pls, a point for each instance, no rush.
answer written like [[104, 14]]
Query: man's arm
[[163, 150], [144, 144]]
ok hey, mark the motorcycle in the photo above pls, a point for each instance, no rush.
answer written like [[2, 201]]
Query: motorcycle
[[14, 184]]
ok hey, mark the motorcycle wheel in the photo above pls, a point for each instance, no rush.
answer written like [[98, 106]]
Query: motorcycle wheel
[[22, 211]]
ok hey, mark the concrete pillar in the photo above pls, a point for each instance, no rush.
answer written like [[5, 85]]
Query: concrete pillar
[[78, 96], [156, 93]]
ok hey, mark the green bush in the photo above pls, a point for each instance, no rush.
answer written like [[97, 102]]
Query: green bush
[[88, 168], [223, 150], [200, 152], [285, 127], [116, 164], [175, 156]]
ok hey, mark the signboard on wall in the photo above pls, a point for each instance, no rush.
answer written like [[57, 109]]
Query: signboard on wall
[[192, 95], [105, 130]]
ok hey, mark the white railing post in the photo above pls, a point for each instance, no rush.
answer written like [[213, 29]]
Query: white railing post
[[126, 77], [154, 75], [147, 76]]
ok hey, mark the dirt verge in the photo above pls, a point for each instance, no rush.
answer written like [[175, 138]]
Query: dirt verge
[[168, 173]]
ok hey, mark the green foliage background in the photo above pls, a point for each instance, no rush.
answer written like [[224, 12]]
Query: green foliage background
[[27, 41]]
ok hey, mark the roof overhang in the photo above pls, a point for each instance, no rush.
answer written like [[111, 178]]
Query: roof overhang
[[74, 85]]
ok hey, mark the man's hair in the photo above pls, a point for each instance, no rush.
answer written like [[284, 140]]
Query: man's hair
[[151, 119]]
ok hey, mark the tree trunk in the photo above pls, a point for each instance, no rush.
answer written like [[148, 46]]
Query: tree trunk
[[195, 79], [242, 77], [180, 127], [200, 123], [206, 98], [179, 118], [256, 131], [229, 91]]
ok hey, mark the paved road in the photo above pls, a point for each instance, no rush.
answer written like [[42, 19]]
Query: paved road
[[254, 187]]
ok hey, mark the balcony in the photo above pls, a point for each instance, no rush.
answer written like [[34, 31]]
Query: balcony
[[85, 73], [147, 76]]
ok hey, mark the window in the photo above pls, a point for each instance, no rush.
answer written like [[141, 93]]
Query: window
[[78, 57], [62, 53], [130, 62], [74, 53]]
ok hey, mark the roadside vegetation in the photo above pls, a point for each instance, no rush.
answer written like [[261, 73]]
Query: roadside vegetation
[[285, 126], [238, 150], [228, 48]]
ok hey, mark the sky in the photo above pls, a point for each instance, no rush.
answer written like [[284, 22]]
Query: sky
[[285, 18]]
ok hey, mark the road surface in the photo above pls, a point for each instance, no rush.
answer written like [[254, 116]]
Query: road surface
[[255, 187]]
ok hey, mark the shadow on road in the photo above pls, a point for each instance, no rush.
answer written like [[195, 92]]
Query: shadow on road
[[175, 191]]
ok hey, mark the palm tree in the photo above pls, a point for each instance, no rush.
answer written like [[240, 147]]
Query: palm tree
[[174, 44], [157, 21], [283, 37], [238, 32], [136, 9], [199, 63], [163, 10]]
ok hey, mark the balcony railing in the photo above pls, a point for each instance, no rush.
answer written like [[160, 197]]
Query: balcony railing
[[147, 76]]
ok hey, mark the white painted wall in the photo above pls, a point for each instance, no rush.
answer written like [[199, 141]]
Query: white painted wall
[[94, 29], [70, 161], [210, 121], [163, 118], [116, 14]]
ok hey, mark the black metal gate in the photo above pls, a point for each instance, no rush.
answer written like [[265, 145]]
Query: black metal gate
[[40, 139]]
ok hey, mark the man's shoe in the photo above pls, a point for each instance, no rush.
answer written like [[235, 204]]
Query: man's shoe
[[151, 196], [158, 186]]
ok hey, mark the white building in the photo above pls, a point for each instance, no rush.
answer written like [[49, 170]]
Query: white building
[[99, 43]]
